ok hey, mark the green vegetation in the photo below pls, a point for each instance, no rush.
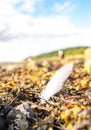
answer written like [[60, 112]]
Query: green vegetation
[[74, 51], [67, 52]]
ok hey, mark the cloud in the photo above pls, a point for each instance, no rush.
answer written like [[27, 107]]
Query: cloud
[[11, 7], [14, 20], [27, 26], [23, 34], [28, 6], [65, 7], [17, 50], [19, 24]]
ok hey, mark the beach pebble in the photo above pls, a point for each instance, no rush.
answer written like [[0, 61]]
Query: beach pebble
[[20, 117], [87, 66], [87, 58]]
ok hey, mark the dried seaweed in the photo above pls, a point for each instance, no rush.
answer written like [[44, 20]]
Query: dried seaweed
[[70, 109]]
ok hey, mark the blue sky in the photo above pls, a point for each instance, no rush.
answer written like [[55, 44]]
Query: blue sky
[[31, 27]]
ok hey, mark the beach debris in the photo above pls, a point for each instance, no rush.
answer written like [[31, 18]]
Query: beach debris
[[56, 82], [60, 54], [68, 109], [87, 58], [20, 117]]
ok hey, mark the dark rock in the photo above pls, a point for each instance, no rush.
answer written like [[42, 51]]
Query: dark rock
[[20, 117]]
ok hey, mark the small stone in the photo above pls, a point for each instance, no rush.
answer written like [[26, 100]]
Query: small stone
[[88, 93], [87, 66], [2, 122], [1, 101], [20, 117]]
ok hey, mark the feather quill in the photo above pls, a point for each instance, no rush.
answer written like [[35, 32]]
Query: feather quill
[[56, 82]]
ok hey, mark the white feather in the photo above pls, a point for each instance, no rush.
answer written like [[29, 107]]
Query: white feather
[[56, 82]]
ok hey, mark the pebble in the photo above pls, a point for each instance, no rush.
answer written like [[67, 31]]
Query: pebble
[[20, 117]]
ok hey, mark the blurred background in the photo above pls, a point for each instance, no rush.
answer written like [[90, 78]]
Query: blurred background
[[32, 27]]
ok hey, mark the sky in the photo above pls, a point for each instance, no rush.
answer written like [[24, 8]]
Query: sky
[[32, 27]]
